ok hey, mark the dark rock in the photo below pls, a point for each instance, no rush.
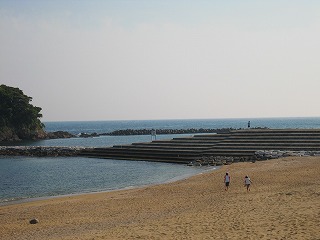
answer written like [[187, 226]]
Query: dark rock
[[34, 221], [8, 135], [88, 135], [59, 134]]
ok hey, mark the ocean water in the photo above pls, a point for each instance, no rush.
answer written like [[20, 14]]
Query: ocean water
[[109, 126], [27, 178], [30, 177]]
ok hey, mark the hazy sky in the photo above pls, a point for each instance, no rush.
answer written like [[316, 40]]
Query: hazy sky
[[168, 59]]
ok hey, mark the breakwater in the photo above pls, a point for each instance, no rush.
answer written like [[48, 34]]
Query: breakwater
[[128, 132], [257, 156], [223, 148], [239, 145], [40, 151], [166, 131]]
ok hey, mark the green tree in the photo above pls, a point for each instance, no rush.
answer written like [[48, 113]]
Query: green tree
[[18, 114]]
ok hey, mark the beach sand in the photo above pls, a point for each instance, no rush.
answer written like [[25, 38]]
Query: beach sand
[[284, 203]]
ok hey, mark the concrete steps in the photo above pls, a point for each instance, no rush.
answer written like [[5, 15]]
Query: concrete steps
[[241, 143], [143, 155]]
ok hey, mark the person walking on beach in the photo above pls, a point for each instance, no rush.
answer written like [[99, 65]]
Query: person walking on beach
[[227, 180], [247, 182]]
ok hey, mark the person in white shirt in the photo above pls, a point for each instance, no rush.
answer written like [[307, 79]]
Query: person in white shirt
[[227, 180], [247, 182]]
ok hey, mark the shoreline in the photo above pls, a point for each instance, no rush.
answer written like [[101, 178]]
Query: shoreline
[[283, 204], [171, 180]]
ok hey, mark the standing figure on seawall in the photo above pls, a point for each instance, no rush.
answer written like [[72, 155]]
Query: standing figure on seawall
[[227, 180], [248, 124], [247, 182]]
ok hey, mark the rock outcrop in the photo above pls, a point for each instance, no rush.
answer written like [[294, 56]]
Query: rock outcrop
[[59, 134], [11, 135]]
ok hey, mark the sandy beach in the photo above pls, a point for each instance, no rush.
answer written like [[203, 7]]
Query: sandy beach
[[284, 203]]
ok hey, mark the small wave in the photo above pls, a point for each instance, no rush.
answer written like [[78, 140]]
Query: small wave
[[8, 201]]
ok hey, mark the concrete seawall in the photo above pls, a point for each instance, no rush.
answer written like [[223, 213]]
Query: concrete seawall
[[238, 145]]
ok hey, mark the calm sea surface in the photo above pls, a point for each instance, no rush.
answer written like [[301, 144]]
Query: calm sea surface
[[25, 177]]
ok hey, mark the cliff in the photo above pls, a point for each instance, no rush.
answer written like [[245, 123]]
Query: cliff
[[8, 134]]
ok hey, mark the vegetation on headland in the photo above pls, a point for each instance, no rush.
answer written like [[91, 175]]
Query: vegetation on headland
[[19, 119]]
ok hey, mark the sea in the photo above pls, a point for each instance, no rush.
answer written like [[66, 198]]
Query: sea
[[30, 178]]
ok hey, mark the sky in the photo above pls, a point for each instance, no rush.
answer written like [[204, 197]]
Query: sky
[[147, 59]]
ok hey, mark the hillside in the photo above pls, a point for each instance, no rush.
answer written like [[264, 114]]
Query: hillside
[[19, 119]]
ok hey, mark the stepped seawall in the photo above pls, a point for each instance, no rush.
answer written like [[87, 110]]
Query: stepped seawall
[[216, 149], [238, 145]]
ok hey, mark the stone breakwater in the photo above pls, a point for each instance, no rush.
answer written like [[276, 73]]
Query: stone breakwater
[[258, 156], [273, 154], [127, 132], [40, 151], [166, 131]]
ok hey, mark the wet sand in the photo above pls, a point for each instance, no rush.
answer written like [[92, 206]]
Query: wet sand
[[284, 203]]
